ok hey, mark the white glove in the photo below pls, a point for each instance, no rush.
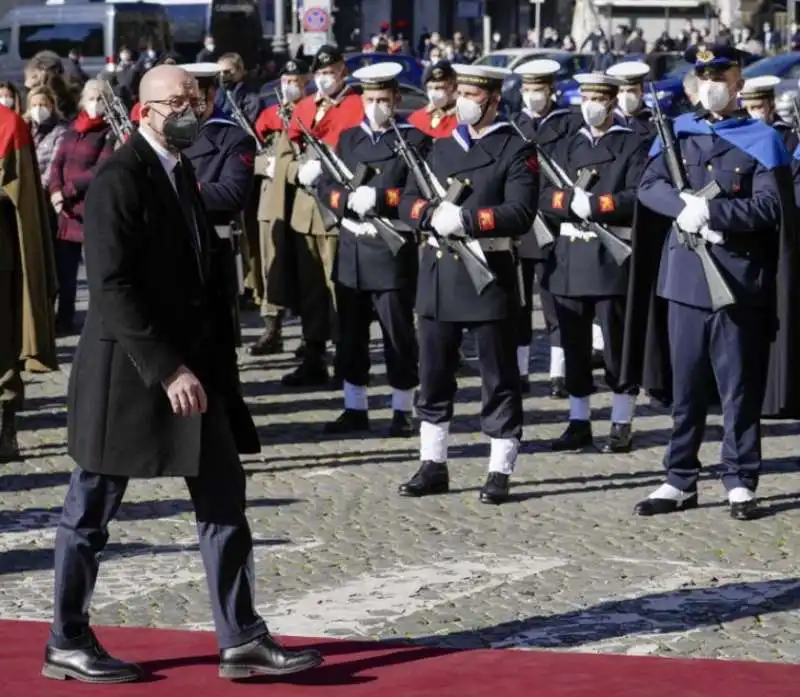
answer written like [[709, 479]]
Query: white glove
[[269, 170], [446, 220], [581, 206], [694, 214], [711, 236], [362, 200], [309, 172]]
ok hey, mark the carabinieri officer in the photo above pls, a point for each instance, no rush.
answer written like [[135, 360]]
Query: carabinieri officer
[[369, 277], [502, 174]]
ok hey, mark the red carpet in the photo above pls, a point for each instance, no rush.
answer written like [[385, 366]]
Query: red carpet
[[184, 665]]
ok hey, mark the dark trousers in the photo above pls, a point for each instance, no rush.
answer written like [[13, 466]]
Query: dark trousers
[[575, 318], [394, 310], [501, 396], [68, 260], [729, 347], [533, 270], [218, 497], [316, 296], [12, 389]]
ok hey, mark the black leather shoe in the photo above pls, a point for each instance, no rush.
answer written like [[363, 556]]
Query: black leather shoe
[[402, 425], [265, 656], [495, 490], [650, 507], [307, 374], [597, 360], [745, 510], [430, 478], [271, 341], [9, 444], [620, 439], [92, 664], [349, 421], [577, 436], [300, 351], [557, 389], [525, 384]]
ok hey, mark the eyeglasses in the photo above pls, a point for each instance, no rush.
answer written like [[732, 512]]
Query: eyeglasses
[[176, 103]]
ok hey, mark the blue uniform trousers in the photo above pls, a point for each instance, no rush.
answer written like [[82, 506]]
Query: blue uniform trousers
[[533, 269], [226, 546], [728, 347], [501, 395]]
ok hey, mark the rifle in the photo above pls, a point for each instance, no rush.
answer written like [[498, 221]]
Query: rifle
[[393, 239], [115, 114], [540, 228], [619, 249], [477, 269], [718, 288]]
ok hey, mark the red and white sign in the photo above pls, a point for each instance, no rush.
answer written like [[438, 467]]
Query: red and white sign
[[316, 19]]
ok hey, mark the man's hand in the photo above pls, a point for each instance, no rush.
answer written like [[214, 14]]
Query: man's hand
[[446, 220], [309, 172], [694, 215], [57, 199], [712, 236], [269, 170], [186, 395], [362, 200], [581, 205]]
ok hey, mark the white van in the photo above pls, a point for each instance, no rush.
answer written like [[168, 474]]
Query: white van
[[98, 30]]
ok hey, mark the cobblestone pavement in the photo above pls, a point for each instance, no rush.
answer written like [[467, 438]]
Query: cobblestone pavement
[[563, 566]]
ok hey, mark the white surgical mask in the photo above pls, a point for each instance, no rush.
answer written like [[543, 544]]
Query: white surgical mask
[[377, 114], [468, 112], [629, 103], [93, 109], [7, 102], [759, 114], [291, 92], [438, 98], [326, 84], [40, 114], [535, 102], [714, 96], [210, 47], [594, 113]]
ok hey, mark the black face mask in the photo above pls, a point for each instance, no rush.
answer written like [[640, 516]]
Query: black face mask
[[181, 129]]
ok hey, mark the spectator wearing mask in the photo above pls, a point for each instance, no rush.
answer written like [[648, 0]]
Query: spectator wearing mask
[[569, 44], [497, 41], [436, 55], [10, 97], [550, 38], [208, 54], [125, 82], [233, 75], [636, 43], [620, 40], [593, 40], [664, 43], [472, 52], [770, 40], [47, 126], [603, 59], [148, 59], [84, 147], [73, 70]]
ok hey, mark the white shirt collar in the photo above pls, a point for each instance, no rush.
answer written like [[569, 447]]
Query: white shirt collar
[[165, 157]]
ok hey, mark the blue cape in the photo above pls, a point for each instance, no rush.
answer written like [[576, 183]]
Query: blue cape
[[762, 142], [219, 116]]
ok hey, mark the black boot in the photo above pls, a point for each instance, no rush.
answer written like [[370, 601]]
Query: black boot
[[9, 445], [402, 425], [620, 439], [271, 340], [577, 437], [312, 372], [557, 388], [430, 478], [495, 490], [349, 421]]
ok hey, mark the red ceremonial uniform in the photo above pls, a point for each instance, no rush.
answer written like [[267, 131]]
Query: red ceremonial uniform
[[342, 114], [269, 121], [136, 113], [434, 122]]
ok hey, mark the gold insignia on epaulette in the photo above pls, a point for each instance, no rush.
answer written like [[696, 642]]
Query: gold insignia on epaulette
[[705, 56]]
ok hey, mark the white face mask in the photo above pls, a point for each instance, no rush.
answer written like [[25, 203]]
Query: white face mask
[[39, 114], [291, 92], [210, 48], [377, 114], [326, 84], [468, 112], [759, 114], [438, 98], [7, 102], [594, 113], [535, 102], [93, 109], [714, 96], [629, 103]]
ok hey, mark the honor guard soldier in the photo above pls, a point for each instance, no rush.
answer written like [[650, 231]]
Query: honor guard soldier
[[332, 109], [747, 348], [758, 98], [542, 122], [630, 95], [371, 279], [584, 278], [438, 119], [275, 207], [500, 173]]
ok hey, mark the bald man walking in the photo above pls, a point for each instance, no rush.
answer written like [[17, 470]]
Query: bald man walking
[[154, 391]]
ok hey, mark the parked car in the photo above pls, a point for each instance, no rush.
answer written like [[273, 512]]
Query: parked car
[[786, 66], [412, 68]]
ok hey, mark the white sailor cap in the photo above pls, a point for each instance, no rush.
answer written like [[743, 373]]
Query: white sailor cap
[[484, 76], [629, 72], [378, 76], [199, 70], [597, 82], [541, 71], [760, 87]]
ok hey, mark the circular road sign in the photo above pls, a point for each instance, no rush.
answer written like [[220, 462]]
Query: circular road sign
[[316, 19]]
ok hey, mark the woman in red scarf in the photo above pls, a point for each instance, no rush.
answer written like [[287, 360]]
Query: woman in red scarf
[[87, 142]]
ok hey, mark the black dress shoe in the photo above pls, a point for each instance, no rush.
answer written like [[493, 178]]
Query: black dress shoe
[[349, 421], [9, 444], [430, 478], [307, 374], [557, 388], [300, 351], [525, 384], [265, 656], [92, 664], [620, 439], [402, 425], [745, 510], [495, 490], [650, 507], [577, 436], [271, 341], [597, 359]]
